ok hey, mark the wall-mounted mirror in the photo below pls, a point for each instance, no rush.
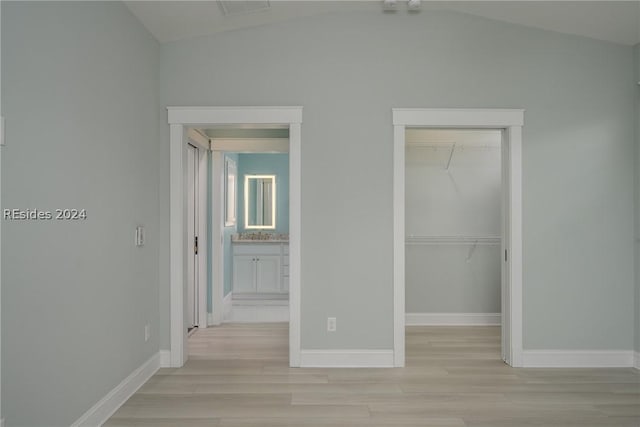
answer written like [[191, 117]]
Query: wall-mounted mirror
[[260, 201]]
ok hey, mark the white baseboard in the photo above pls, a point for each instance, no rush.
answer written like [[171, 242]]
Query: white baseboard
[[577, 359], [258, 314], [636, 360], [346, 358], [165, 358], [227, 306], [99, 413], [453, 319]]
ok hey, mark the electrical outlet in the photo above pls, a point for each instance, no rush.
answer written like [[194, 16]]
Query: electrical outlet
[[147, 332], [331, 324]]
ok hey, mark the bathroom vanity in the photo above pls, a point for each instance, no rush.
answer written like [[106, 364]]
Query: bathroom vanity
[[260, 266]]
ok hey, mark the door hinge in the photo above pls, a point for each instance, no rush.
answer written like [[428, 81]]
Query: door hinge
[[505, 255], [195, 245]]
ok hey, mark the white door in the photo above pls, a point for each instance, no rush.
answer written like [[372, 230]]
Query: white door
[[505, 274], [192, 236]]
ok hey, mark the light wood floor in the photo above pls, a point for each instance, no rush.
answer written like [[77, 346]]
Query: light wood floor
[[237, 375]]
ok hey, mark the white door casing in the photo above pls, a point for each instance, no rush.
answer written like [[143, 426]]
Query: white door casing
[[179, 119], [511, 122], [191, 177]]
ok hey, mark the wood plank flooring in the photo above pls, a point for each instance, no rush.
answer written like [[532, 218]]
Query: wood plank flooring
[[238, 375]]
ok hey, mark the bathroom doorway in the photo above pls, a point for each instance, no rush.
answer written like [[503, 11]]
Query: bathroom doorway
[[180, 119], [252, 167]]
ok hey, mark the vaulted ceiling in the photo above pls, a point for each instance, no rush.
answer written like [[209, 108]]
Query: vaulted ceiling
[[613, 21]]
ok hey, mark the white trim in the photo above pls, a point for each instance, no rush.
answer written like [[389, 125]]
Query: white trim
[[203, 187], [227, 306], [258, 314], [203, 116], [453, 319], [347, 358], [458, 117], [217, 245], [577, 358], [181, 117], [197, 139], [177, 244], [99, 413], [636, 360], [509, 120], [295, 241], [165, 358], [251, 145], [398, 245]]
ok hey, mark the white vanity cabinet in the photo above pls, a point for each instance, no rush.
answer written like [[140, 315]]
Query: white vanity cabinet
[[259, 268]]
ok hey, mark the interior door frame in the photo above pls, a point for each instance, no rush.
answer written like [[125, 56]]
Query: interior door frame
[[510, 121], [202, 144], [182, 118]]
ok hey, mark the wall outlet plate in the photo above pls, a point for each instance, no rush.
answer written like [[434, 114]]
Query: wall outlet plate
[[147, 332], [331, 324]]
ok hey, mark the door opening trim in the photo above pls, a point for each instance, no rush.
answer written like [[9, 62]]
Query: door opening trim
[[511, 122], [181, 118]]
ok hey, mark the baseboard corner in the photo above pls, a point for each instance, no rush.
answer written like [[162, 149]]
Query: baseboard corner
[[227, 306], [99, 413], [165, 358]]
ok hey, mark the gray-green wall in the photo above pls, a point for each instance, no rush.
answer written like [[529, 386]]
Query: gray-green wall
[[637, 233], [348, 71], [80, 84]]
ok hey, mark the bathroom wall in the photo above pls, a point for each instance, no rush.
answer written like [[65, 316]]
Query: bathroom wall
[[229, 231], [269, 164]]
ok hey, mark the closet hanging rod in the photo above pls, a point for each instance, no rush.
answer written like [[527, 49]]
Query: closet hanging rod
[[452, 240]]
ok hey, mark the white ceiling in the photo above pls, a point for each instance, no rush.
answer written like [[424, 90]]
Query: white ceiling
[[614, 21]]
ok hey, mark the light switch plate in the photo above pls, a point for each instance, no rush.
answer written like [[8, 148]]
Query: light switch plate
[[2, 139], [139, 235]]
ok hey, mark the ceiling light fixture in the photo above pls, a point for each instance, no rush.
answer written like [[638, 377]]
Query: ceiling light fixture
[[390, 5], [413, 4]]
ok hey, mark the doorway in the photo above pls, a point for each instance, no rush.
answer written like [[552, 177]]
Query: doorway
[[509, 123], [182, 118], [251, 165]]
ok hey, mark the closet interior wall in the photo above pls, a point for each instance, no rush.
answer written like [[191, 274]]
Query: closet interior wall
[[453, 221]]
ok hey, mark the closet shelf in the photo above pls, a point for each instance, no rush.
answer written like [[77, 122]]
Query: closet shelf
[[452, 240]]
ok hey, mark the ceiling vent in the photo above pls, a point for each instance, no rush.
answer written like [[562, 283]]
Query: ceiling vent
[[237, 7]]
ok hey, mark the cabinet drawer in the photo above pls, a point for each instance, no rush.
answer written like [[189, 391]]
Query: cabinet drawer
[[257, 249]]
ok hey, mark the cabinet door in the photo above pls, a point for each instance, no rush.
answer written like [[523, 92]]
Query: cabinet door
[[244, 273], [268, 273]]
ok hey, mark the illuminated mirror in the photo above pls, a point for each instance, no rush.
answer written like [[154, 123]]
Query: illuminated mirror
[[260, 201]]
